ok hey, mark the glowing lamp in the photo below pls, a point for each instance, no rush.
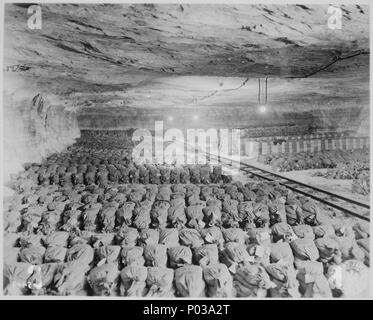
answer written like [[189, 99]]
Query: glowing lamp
[[262, 109]]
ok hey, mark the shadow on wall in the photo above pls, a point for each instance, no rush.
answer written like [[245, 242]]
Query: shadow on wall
[[34, 126]]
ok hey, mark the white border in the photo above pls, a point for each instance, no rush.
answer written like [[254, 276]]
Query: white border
[[272, 2]]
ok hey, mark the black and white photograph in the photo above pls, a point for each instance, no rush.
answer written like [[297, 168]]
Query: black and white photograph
[[167, 150]]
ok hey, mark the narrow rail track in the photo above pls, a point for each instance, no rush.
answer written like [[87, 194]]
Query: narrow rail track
[[346, 205]]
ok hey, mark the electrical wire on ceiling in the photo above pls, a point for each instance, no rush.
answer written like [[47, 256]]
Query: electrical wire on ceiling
[[217, 91], [335, 59]]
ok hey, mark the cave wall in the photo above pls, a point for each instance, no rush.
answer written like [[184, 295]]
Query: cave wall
[[35, 125]]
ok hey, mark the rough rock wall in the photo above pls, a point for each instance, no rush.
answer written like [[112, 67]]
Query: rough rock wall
[[35, 125]]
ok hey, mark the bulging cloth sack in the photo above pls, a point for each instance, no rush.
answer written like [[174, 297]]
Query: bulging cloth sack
[[133, 281], [70, 278], [101, 239], [206, 254], [205, 174], [277, 211], [195, 174], [328, 250], [164, 194], [361, 230], [313, 283], [349, 280], [154, 175], [81, 253], [212, 216], [23, 278], [71, 220], [15, 277], [177, 198], [176, 214], [323, 230], [213, 235], [246, 211], [148, 236], [294, 212], [189, 281], [169, 237], [55, 253], [124, 214], [234, 235], [175, 175], [41, 278], [281, 250], [159, 214], [132, 256], [233, 254], [178, 187], [304, 231], [32, 254], [159, 282], [165, 174], [216, 174], [213, 202], [230, 207], [281, 230], [310, 211], [304, 249], [284, 276], [184, 175], [259, 253], [206, 193], [251, 280], [218, 280], [155, 255], [127, 236], [31, 218], [103, 279], [49, 222], [90, 214], [349, 248], [108, 254], [58, 238], [190, 238], [12, 221], [260, 236], [179, 256], [192, 198], [142, 218], [195, 216]]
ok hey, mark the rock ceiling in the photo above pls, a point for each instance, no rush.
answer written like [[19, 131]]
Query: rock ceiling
[[138, 62]]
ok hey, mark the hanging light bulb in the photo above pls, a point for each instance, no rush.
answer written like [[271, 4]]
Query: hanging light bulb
[[262, 96], [262, 109]]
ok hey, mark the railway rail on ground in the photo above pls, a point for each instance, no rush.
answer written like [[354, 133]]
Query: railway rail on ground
[[346, 205]]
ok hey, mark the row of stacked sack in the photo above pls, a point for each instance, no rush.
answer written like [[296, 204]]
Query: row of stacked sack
[[101, 139], [103, 168], [317, 160], [280, 261], [92, 208]]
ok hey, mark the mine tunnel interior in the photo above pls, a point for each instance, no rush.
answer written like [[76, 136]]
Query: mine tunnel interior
[[79, 88]]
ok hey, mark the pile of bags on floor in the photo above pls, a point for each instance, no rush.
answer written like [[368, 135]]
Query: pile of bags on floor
[[345, 163], [276, 260], [79, 167], [257, 239]]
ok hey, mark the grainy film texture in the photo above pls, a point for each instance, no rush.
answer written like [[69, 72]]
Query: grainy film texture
[[186, 150]]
